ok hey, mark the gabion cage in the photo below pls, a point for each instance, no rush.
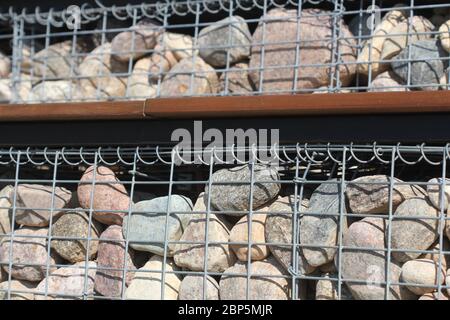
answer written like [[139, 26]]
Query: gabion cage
[[326, 222], [210, 48]]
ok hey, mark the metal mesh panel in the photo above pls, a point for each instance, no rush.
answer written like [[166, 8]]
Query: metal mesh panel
[[326, 222], [245, 47]]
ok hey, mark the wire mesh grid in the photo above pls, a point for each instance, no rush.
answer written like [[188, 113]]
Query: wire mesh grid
[[210, 48], [326, 222]]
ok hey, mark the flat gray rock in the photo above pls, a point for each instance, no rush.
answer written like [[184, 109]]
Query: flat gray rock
[[321, 228], [148, 223], [236, 197], [427, 66], [228, 37]]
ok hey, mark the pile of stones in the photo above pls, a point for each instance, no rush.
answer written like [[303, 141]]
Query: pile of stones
[[227, 58], [97, 241]]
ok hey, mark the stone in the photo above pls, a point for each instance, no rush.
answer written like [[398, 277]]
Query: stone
[[266, 282], [225, 42], [20, 93], [75, 224], [68, 282], [387, 81], [139, 86], [370, 55], [191, 288], [368, 265], [5, 90], [239, 233], [236, 197], [56, 62], [435, 250], [111, 254], [370, 194], [237, 81], [162, 61], [362, 25], [20, 290], [407, 31], [108, 196], [427, 66], [327, 289], [99, 37], [190, 76], [413, 234], [191, 255], [434, 193], [181, 45], [102, 75], [444, 35], [29, 49], [5, 205], [32, 197], [320, 228], [315, 29], [434, 296], [423, 272], [148, 224], [279, 230], [146, 284], [55, 91], [29, 247], [5, 65], [135, 43]]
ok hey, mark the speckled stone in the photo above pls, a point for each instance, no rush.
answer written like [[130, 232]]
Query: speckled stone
[[444, 35], [191, 288], [236, 197], [280, 27], [181, 45], [237, 81], [413, 234], [55, 91], [427, 66], [108, 196], [5, 204], [111, 254], [192, 256], [25, 251], [76, 225], [148, 223], [279, 230], [190, 76], [67, 283], [320, 229], [421, 272], [370, 194], [369, 265], [146, 284], [20, 290], [229, 37], [5, 65], [262, 287], [38, 196], [434, 193], [387, 81], [327, 289], [434, 296]]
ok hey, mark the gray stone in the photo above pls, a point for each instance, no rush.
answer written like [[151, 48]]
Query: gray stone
[[265, 283], [68, 282], [111, 254], [190, 76], [147, 223], [422, 272], [413, 234], [192, 255], [387, 81], [434, 193], [32, 197], [370, 194], [280, 27], [146, 284], [368, 265], [75, 224], [191, 288], [181, 45], [236, 197], [29, 247], [55, 91], [228, 37], [279, 230], [320, 228], [327, 289], [427, 66], [237, 81]]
